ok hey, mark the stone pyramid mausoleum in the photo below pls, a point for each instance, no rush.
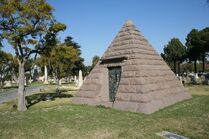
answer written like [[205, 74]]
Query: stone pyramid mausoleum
[[131, 76]]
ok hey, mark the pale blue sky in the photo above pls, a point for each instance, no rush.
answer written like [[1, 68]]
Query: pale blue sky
[[94, 23]]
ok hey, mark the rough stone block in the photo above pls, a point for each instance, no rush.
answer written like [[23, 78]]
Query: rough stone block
[[124, 105]]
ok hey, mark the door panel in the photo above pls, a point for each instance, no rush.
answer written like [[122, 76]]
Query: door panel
[[114, 79]]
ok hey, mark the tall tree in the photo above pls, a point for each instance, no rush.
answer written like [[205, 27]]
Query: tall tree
[[86, 70], [6, 61], [62, 57], [204, 45], [48, 42], [78, 64], [174, 52], [205, 38], [193, 49], [22, 22], [70, 42]]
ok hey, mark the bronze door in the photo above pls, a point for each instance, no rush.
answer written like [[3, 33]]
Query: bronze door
[[114, 79]]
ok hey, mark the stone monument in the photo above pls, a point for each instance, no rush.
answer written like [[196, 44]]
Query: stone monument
[[131, 76], [80, 79]]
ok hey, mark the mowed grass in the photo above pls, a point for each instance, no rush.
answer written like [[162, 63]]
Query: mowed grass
[[198, 89], [59, 119]]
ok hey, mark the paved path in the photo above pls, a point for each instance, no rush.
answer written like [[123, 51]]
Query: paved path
[[12, 94]]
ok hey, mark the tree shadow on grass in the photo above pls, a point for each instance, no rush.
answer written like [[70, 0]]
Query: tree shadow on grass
[[10, 87], [36, 98], [2, 89]]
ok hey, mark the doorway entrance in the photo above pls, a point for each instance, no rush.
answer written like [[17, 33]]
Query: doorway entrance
[[114, 79]]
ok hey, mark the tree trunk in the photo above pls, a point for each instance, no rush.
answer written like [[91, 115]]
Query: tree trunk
[[203, 63], [174, 66], [58, 86], [11, 79], [1, 84], [179, 68], [1, 81], [21, 87], [195, 66]]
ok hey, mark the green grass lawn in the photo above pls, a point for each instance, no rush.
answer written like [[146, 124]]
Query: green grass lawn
[[60, 119]]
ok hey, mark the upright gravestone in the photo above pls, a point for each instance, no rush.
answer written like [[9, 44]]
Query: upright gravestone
[[75, 80], [8, 84], [30, 80], [25, 81], [60, 82], [80, 79], [45, 75]]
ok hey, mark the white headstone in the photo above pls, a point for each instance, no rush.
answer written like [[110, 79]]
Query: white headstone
[[196, 76], [45, 75], [80, 79], [60, 82], [8, 84], [41, 78], [30, 80], [25, 81]]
